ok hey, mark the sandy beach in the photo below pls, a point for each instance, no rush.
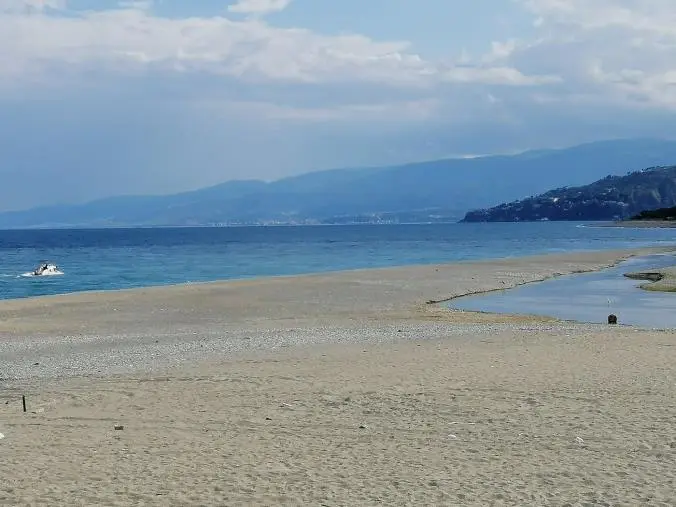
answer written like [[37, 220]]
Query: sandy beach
[[350, 388]]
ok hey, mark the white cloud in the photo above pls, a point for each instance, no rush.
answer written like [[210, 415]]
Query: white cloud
[[624, 51], [656, 16], [252, 50], [259, 7], [582, 52], [132, 38], [496, 76]]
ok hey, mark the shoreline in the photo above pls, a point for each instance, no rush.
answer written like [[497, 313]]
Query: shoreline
[[629, 252], [617, 255]]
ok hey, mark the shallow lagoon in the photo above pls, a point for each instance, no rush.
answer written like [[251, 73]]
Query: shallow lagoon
[[587, 297]]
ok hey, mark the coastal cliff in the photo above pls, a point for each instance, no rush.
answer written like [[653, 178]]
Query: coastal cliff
[[610, 198]]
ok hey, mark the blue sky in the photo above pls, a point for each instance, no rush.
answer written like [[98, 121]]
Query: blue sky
[[107, 97]]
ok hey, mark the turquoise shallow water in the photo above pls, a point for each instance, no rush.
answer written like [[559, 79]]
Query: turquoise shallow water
[[125, 258], [587, 297]]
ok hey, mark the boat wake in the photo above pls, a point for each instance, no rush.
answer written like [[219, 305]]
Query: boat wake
[[33, 275]]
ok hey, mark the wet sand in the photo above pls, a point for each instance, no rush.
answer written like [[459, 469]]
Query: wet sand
[[335, 389]]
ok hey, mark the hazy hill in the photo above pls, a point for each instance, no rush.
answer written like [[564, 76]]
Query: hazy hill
[[427, 191], [610, 198]]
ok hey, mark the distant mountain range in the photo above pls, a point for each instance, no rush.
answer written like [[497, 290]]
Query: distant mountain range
[[441, 190], [610, 198]]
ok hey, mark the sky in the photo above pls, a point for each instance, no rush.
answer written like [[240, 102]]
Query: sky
[[102, 98]]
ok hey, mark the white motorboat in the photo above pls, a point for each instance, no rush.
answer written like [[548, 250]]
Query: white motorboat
[[47, 269]]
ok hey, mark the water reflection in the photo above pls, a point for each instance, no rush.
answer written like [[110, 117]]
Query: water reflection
[[588, 297]]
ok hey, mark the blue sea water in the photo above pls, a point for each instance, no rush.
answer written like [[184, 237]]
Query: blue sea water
[[123, 258]]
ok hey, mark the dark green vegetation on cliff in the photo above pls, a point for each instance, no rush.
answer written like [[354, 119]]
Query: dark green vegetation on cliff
[[436, 191], [657, 214], [611, 198]]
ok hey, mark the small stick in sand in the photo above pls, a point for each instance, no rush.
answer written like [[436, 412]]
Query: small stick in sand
[[23, 401]]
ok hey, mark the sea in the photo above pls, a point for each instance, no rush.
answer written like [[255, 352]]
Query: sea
[[105, 259]]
